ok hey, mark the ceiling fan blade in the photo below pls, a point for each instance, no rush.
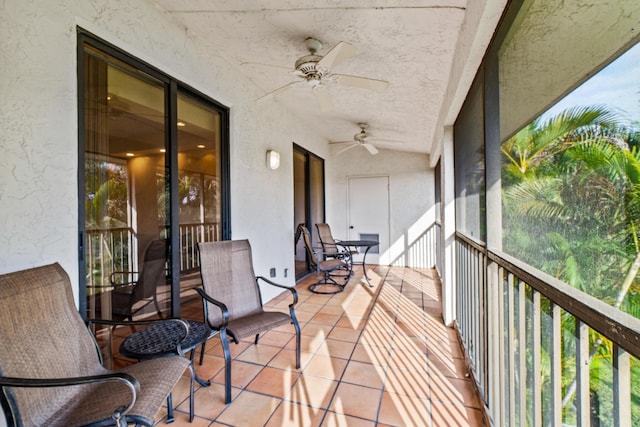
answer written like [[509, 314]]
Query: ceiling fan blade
[[388, 141], [347, 148], [342, 142], [361, 82], [337, 55], [277, 91], [322, 95], [370, 148], [259, 64]]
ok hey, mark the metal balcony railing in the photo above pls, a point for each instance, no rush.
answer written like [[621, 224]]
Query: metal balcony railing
[[541, 352]]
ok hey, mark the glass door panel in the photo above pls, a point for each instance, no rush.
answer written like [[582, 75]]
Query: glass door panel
[[299, 209], [308, 203], [125, 188], [199, 176]]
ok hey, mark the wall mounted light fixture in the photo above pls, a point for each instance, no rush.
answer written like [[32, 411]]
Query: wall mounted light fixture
[[273, 159]]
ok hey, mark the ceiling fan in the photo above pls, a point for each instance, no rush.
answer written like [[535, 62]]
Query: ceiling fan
[[315, 70], [363, 139]]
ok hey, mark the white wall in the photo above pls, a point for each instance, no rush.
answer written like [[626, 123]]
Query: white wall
[[39, 143], [411, 196]]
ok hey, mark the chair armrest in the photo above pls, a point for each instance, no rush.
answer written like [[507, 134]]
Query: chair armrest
[[223, 308], [129, 281], [278, 285], [126, 379]]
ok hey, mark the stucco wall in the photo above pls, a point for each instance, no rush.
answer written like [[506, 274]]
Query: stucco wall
[[38, 166]]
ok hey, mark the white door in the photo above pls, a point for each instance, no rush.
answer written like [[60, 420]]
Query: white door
[[368, 214]]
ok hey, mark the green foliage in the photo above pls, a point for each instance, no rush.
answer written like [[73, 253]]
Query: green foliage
[[571, 208]]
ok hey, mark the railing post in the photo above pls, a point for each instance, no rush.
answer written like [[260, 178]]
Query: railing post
[[494, 365], [583, 400], [621, 384]]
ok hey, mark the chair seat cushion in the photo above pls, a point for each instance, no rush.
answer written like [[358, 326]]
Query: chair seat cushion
[[331, 264], [257, 323], [91, 401]]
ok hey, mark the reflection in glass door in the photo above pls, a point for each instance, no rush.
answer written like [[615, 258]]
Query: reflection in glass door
[[308, 204], [125, 184], [153, 183], [199, 201]]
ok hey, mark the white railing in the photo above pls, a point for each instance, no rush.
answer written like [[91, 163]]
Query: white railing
[[541, 352], [116, 249], [190, 235]]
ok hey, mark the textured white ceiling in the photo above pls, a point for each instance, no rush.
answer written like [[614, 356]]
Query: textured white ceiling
[[410, 44]]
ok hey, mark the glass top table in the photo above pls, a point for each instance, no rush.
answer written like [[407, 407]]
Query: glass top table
[[367, 244]]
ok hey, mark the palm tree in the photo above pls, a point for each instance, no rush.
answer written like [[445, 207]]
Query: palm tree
[[539, 141], [575, 192]]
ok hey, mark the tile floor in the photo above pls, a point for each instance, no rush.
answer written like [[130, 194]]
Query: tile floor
[[371, 356]]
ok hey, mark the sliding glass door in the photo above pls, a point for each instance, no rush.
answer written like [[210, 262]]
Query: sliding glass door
[[153, 183], [308, 206]]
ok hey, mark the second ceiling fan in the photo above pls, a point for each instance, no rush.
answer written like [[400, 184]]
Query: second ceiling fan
[[363, 139], [315, 70]]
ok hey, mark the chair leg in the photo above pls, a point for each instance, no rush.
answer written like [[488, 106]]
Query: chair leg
[[191, 405], [155, 301], [202, 353], [170, 417], [294, 320], [256, 341], [227, 365]]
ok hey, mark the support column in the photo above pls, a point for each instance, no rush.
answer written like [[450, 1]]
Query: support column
[[448, 229]]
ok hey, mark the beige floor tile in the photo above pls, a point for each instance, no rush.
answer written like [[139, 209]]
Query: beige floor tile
[[364, 374], [316, 330], [408, 383], [291, 414], [286, 359], [274, 382], [450, 415], [336, 348], [249, 409], [453, 390], [357, 401], [325, 318], [325, 367], [351, 322], [208, 401], [312, 391], [371, 354], [211, 365], [241, 373], [277, 338], [260, 354], [344, 334], [402, 410], [333, 419]]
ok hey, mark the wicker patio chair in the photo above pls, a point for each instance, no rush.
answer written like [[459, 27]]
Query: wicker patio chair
[[232, 300], [51, 367], [335, 271]]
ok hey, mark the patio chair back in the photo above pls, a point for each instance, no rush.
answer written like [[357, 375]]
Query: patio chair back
[[227, 275], [60, 346], [153, 271], [308, 245], [44, 342], [144, 287], [326, 239]]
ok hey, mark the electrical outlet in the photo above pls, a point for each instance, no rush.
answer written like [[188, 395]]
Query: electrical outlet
[[272, 272]]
